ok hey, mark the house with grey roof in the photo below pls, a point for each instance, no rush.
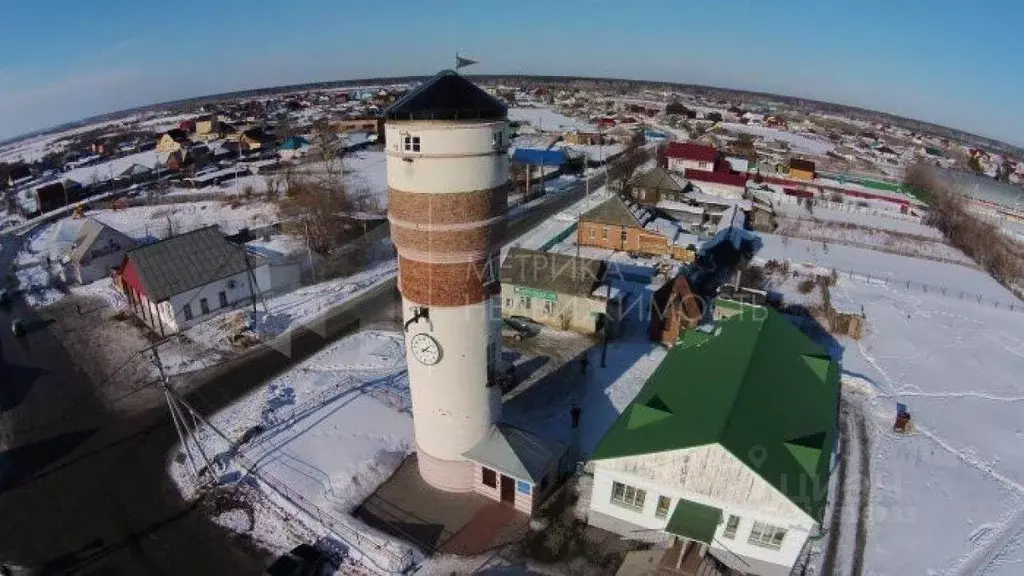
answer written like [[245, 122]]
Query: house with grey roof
[[558, 290], [186, 279], [96, 251], [517, 466]]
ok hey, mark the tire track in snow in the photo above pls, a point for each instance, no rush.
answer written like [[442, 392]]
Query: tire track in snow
[[864, 497], [836, 520], [967, 394]]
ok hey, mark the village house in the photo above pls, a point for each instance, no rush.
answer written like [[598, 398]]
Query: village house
[[557, 290], [56, 194], [355, 125], [186, 279], [211, 127], [683, 156], [172, 141], [97, 250], [658, 184], [727, 449], [614, 226], [255, 139], [292, 147], [801, 169], [18, 175]]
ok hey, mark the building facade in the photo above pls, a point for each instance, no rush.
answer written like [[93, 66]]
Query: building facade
[[729, 445], [447, 171]]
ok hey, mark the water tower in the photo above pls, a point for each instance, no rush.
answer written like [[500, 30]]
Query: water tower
[[447, 168]]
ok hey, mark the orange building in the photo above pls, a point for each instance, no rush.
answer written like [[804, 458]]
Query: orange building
[[611, 225], [801, 169]]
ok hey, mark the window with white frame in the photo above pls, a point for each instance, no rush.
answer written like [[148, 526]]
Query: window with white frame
[[549, 308], [499, 139], [766, 536], [524, 302], [628, 496], [731, 526], [412, 143], [187, 311], [593, 233], [664, 503], [508, 303]]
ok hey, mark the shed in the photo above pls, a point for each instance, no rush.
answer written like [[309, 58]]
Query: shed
[[516, 466]]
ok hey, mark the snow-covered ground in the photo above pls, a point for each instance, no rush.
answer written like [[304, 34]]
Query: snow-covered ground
[[333, 428], [870, 237], [884, 268], [882, 220], [800, 143], [104, 171], [161, 221], [286, 312], [546, 119], [952, 491], [366, 174]]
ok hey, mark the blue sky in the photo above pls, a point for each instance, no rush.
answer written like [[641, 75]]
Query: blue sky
[[953, 63]]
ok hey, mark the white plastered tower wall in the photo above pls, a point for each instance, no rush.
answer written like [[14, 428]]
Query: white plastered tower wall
[[447, 198]]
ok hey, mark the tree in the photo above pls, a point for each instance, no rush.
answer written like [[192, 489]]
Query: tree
[[714, 116], [975, 164]]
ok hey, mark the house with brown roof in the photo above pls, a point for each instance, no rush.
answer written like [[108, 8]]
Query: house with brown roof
[[172, 141], [801, 169], [613, 225], [559, 290], [255, 139], [658, 184]]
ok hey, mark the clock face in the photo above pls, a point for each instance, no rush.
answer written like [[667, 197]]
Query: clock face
[[425, 349]]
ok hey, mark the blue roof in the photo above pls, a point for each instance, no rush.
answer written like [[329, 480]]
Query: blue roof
[[293, 143], [538, 157]]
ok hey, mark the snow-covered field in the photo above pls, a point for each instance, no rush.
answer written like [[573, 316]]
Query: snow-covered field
[[952, 491], [880, 239], [881, 219], [546, 119], [366, 175], [884, 268], [800, 143]]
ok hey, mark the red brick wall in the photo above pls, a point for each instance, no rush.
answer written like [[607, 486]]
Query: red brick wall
[[443, 284], [455, 208]]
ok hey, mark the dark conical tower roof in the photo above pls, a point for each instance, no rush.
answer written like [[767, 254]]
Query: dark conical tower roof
[[447, 96]]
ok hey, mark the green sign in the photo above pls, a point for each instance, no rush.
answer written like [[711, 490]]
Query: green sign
[[535, 293]]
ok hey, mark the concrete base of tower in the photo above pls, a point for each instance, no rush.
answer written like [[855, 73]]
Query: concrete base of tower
[[447, 475]]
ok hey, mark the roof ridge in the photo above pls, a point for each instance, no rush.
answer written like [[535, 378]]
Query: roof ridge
[[162, 240], [727, 421]]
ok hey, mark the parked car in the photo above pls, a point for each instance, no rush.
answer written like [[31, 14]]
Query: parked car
[[303, 560], [519, 327]]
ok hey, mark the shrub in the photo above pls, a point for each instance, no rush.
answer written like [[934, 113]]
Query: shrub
[[805, 286]]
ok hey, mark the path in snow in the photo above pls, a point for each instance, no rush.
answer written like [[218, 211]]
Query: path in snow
[[854, 481]]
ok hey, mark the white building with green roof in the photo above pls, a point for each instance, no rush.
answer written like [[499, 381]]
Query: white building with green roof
[[728, 446]]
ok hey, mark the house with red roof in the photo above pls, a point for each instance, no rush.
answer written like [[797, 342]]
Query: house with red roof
[[683, 156], [730, 185]]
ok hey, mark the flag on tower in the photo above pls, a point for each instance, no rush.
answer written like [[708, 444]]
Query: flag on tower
[[461, 62]]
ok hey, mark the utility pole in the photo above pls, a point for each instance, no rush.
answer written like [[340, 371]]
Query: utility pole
[[309, 251], [180, 423], [252, 282]]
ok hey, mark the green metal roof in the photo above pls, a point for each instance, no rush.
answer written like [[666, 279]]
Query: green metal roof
[[758, 387], [694, 520]]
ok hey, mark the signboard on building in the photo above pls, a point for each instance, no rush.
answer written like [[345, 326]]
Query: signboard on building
[[535, 293]]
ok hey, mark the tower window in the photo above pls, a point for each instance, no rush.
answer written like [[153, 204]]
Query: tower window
[[412, 143]]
